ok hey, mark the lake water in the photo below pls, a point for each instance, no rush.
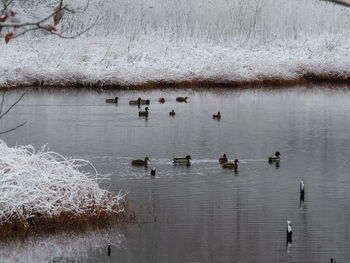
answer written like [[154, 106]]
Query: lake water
[[202, 213]]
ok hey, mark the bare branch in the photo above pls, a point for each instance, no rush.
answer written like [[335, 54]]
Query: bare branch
[[338, 2], [42, 24], [2, 101], [32, 23], [10, 130], [73, 36], [14, 104]]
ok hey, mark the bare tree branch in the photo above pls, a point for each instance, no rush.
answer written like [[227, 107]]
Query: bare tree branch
[[8, 110], [40, 25], [12, 129], [14, 104], [2, 101], [338, 2]]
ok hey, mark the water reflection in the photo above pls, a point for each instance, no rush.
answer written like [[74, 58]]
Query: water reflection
[[204, 213], [63, 247]]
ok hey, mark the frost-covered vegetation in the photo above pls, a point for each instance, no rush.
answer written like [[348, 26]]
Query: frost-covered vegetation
[[44, 190], [138, 41]]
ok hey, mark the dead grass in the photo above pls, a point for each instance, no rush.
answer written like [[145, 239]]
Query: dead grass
[[66, 221], [332, 77]]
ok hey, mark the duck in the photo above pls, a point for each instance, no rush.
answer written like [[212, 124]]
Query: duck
[[183, 160], [181, 99], [135, 102], [161, 100], [233, 165], [144, 113], [144, 102], [275, 158], [172, 113], [217, 116], [140, 162], [115, 100], [223, 159]]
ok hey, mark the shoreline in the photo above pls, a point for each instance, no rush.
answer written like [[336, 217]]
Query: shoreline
[[190, 84]]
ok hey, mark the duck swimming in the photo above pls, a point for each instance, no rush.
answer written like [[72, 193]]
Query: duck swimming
[[144, 113], [181, 99], [115, 100], [233, 165], [161, 100], [135, 102], [275, 157], [182, 160], [140, 162], [223, 159], [172, 113], [217, 116]]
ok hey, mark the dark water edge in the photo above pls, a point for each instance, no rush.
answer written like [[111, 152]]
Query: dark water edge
[[204, 213], [307, 79]]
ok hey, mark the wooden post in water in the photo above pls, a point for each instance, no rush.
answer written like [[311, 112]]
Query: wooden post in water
[[302, 190], [109, 249], [153, 172]]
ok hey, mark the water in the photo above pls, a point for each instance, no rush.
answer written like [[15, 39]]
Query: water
[[204, 213]]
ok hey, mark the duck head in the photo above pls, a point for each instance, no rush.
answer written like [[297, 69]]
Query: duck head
[[188, 157], [146, 109], [236, 161], [146, 159], [277, 154]]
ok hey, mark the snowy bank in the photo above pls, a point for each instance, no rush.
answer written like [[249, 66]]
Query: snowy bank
[[150, 59], [44, 190]]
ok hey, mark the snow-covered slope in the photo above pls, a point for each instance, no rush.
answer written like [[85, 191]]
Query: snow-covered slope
[[96, 61]]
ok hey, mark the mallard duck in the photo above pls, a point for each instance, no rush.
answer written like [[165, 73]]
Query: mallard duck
[[183, 160], [223, 159], [217, 116], [161, 100], [144, 102], [172, 113], [144, 113], [276, 157], [233, 165], [140, 162], [135, 102], [181, 99], [115, 100]]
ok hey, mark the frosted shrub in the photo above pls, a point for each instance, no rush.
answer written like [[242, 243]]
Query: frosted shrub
[[41, 189]]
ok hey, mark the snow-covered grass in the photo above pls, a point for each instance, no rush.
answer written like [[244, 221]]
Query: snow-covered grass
[[152, 58], [44, 190]]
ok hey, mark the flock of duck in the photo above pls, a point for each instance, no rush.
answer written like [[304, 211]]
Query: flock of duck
[[145, 113], [186, 161]]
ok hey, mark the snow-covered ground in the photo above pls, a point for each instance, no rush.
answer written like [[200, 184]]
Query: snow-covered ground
[[140, 41], [46, 184], [98, 61]]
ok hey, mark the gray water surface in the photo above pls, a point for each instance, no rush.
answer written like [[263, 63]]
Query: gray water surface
[[205, 213]]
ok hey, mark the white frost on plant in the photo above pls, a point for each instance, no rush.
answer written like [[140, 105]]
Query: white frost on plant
[[47, 183], [108, 61]]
